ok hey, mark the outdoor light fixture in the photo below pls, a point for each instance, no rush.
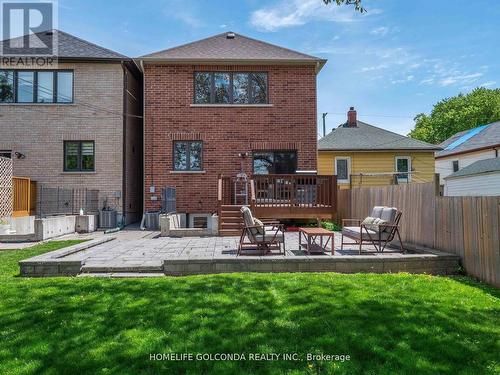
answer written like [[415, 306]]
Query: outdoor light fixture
[[19, 155]]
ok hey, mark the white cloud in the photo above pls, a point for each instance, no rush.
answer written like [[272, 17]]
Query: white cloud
[[289, 13], [459, 79], [427, 81], [181, 11], [488, 84], [380, 31]]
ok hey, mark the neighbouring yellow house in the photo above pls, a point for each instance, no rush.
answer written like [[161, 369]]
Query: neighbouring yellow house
[[365, 155]]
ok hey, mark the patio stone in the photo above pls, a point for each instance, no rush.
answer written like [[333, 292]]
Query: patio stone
[[141, 253]]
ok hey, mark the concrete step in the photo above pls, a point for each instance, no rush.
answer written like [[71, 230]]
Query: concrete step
[[122, 274], [110, 268]]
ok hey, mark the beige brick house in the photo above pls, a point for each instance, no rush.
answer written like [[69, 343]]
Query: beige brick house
[[77, 126]]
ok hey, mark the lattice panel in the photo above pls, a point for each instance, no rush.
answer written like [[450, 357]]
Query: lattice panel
[[5, 187]]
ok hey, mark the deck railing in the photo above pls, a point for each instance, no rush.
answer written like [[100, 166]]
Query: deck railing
[[275, 193], [294, 190]]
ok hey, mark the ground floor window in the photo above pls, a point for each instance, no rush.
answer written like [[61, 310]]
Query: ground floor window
[[79, 156], [188, 155], [274, 162], [403, 167], [343, 168], [6, 154]]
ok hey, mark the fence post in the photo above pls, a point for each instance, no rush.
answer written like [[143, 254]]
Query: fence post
[[39, 198], [437, 186]]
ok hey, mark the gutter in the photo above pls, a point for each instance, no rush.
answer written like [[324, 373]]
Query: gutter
[[493, 147], [378, 150], [319, 63]]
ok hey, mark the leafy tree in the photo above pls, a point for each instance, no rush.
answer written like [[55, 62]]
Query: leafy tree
[[461, 112], [356, 3]]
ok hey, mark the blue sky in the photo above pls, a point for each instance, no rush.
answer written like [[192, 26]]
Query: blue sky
[[391, 63]]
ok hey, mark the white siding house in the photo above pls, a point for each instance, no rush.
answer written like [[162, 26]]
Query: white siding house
[[444, 166], [467, 147], [478, 179]]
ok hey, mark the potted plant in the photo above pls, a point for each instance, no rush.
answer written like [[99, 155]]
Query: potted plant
[[4, 226]]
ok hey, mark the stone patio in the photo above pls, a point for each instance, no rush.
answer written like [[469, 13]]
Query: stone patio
[[131, 253]]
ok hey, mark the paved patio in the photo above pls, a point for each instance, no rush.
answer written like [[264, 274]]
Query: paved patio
[[133, 251]]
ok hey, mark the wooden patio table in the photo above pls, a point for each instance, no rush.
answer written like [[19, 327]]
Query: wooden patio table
[[311, 236]]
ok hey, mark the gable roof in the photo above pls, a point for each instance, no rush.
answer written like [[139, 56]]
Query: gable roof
[[224, 48], [480, 166], [472, 139], [71, 47], [366, 137]]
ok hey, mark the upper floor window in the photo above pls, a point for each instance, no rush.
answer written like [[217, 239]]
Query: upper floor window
[[42, 86], [230, 88], [188, 155], [455, 165]]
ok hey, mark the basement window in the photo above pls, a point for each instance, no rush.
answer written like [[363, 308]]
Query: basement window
[[6, 154]]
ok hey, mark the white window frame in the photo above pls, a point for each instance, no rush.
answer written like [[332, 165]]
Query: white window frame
[[348, 158], [409, 166]]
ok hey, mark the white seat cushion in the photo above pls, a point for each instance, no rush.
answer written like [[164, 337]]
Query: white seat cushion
[[270, 236], [356, 232]]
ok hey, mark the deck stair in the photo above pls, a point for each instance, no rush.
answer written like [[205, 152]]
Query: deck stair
[[230, 220]]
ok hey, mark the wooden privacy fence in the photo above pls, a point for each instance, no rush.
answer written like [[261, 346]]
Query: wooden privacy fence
[[466, 226]]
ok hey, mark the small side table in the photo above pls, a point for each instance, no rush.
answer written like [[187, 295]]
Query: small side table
[[311, 236]]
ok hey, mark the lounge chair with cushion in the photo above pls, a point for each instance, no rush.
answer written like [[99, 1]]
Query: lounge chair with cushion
[[378, 229], [265, 236]]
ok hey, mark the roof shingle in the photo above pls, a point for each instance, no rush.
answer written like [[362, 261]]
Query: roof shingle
[[367, 137], [480, 166], [489, 136], [72, 47], [221, 47]]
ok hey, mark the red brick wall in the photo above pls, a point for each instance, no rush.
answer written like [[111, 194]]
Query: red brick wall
[[289, 124]]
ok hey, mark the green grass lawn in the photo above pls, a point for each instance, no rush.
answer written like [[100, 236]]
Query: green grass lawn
[[389, 324]]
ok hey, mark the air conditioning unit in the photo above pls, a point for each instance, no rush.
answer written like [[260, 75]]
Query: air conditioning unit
[[152, 220], [107, 219]]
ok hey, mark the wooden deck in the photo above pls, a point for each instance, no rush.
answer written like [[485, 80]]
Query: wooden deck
[[296, 196]]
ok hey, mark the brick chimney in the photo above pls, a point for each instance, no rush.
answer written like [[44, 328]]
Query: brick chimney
[[351, 117]]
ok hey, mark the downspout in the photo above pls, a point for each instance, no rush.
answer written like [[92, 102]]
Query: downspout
[[142, 227], [124, 149]]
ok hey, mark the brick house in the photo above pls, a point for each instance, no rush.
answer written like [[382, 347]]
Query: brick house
[[66, 127], [221, 106]]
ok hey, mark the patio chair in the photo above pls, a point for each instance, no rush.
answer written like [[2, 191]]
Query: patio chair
[[266, 237], [378, 235]]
